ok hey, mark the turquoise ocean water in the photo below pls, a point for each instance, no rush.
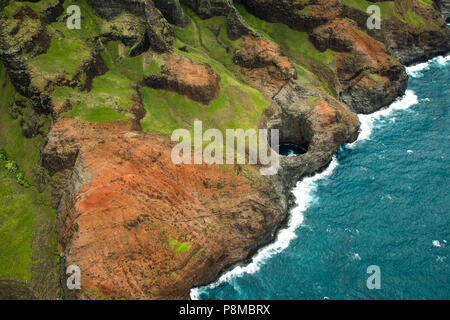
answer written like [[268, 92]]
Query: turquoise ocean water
[[384, 200]]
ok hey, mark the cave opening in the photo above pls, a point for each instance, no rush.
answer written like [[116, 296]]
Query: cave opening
[[291, 149]]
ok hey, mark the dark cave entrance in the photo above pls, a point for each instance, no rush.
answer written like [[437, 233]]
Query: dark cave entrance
[[291, 149]]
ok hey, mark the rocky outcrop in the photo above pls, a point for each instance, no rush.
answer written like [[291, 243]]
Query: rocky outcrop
[[158, 32], [319, 124], [236, 27], [300, 15], [420, 38], [370, 78], [139, 226], [259, 53], [196, 81], [26, 34], [268, 69], [305, 117], [443, 6], [172, 11], [210, 8]]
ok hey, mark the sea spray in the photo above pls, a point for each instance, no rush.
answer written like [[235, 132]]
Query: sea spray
[[415, 71], [368, 121]]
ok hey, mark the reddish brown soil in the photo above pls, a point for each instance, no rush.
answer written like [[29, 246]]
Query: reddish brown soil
[[268, 68], [127, 198], [196, 81]]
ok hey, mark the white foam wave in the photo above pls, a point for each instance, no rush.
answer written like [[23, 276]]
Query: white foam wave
[[436, 243], [368, 120], [304, 194], [415, 71]]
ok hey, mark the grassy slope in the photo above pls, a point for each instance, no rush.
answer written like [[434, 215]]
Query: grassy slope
[[37, 7], [23, 211], [238, 105], [110, 98], [402, 11], [298, 48]]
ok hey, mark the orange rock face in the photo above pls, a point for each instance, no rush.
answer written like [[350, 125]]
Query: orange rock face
[[139, 226], [370, 78], [268, 68], [196, 81]]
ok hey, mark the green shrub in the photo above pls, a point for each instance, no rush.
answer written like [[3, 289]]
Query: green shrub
[[12, 166], [3, 155], [20, 178]]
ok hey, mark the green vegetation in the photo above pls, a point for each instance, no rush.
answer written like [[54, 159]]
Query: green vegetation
[[428, 3], [200, 34], [408, 16], [19, 208], [66, 55], [237, 106], [386, 7], [69, 49], [37, 7], [24, 212], [12, 167], [16, 228], [296, 45], [403, 11], [293, 43], [177, 246], [91, 23], [25, 152], [109, 100], [96, 295]]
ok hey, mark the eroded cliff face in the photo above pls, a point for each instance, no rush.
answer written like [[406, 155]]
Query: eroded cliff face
[[443, 6], [138, 225], [141, 227], [368, 75], [413, 32]]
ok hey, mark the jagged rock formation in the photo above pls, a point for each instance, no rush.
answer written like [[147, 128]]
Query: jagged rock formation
[[268, 69], [424, 37], [158, 32], [172, 11], [236, 26], [300, 15], [444, 7], [369, 76], [179, 74]]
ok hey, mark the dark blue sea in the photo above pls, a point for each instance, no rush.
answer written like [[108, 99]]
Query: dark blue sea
[[384, 201]]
